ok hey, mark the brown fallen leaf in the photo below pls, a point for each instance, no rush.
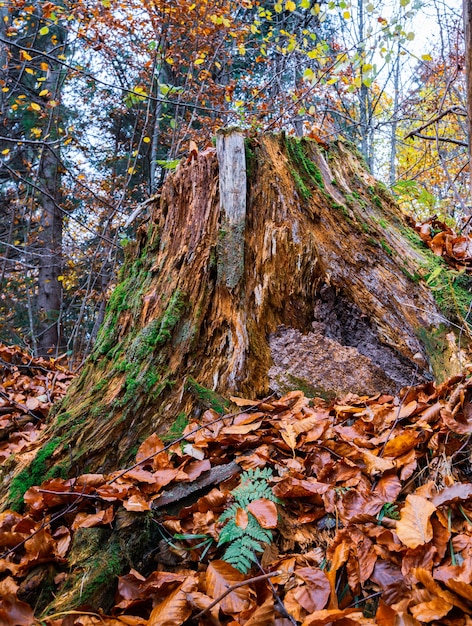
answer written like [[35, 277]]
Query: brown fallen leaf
[[219, 577]]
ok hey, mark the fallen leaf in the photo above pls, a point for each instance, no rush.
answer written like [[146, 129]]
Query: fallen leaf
[[13, 612], [175, 609], [414, 526], [265, 511], [221, 575]]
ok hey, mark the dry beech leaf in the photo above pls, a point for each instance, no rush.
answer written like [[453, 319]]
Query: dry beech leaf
[[243, 401], [399, 445], [175, 609], [426, 579], [220, 576], [241, 518], [429, 611], [86, 520], [376, 465], [460, 588], [263, 615], [136, 503], [414, 526], [458, 491], [340, 556], [13, 612], [241, 429], [404, 619], [265, 511], [150, 448], [328, 616], [314, 595]]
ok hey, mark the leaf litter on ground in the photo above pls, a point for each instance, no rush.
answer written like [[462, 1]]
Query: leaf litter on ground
[[370, 512]]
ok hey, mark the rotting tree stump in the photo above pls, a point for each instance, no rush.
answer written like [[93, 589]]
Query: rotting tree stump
[[264, 265]]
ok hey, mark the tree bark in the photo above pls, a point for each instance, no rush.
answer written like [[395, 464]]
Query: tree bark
[[49, 298], [467, 14], [305, 276]]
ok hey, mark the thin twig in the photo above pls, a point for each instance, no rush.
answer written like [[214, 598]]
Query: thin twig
[[68, 508], [243, 583], [279, 605], [185, 436]]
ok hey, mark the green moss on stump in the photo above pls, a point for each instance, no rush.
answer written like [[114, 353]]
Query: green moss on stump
[[34, 474], [177, 428], [305, 173], [207, 397], [96, 560]]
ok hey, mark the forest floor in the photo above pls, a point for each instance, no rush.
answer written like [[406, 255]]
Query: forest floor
[[285, 511]]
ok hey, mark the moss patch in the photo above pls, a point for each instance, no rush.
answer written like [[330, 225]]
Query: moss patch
[[438, 350], [95, 561], [451, 289], [177, 428], [34, 474], [305, 173], [207, 397]]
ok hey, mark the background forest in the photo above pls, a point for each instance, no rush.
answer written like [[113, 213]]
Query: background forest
[[100, 99]]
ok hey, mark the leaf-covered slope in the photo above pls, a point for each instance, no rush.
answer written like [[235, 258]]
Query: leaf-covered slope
[[364, 504]]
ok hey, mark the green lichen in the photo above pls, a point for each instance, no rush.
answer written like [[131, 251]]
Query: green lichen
[[34, 474], [207, 397], [437, 349]]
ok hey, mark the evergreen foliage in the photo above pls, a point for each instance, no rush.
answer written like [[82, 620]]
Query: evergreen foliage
[[245, 542]]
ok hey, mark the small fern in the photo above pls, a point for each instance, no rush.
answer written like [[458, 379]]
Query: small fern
[[245, 542]]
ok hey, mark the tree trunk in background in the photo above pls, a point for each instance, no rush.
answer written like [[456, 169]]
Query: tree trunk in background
[[305, 276], [467, 11], [49, 298]]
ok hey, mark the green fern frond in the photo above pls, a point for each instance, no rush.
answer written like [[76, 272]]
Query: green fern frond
[[245, 542], [229, 513], [241, 553], [254, 485], [231, 531]]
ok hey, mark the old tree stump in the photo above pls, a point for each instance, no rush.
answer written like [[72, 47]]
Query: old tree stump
[[263, 265]]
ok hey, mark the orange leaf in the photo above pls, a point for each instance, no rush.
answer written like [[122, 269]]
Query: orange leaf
[[136, 503], [220, 576], [433, 610], [242, 401], [414, 526], [175, 609], [402, 443], [328, 616], [458, 491], [150, 447], [265, 511], [263, 615], [242, 518], [340, 556]]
